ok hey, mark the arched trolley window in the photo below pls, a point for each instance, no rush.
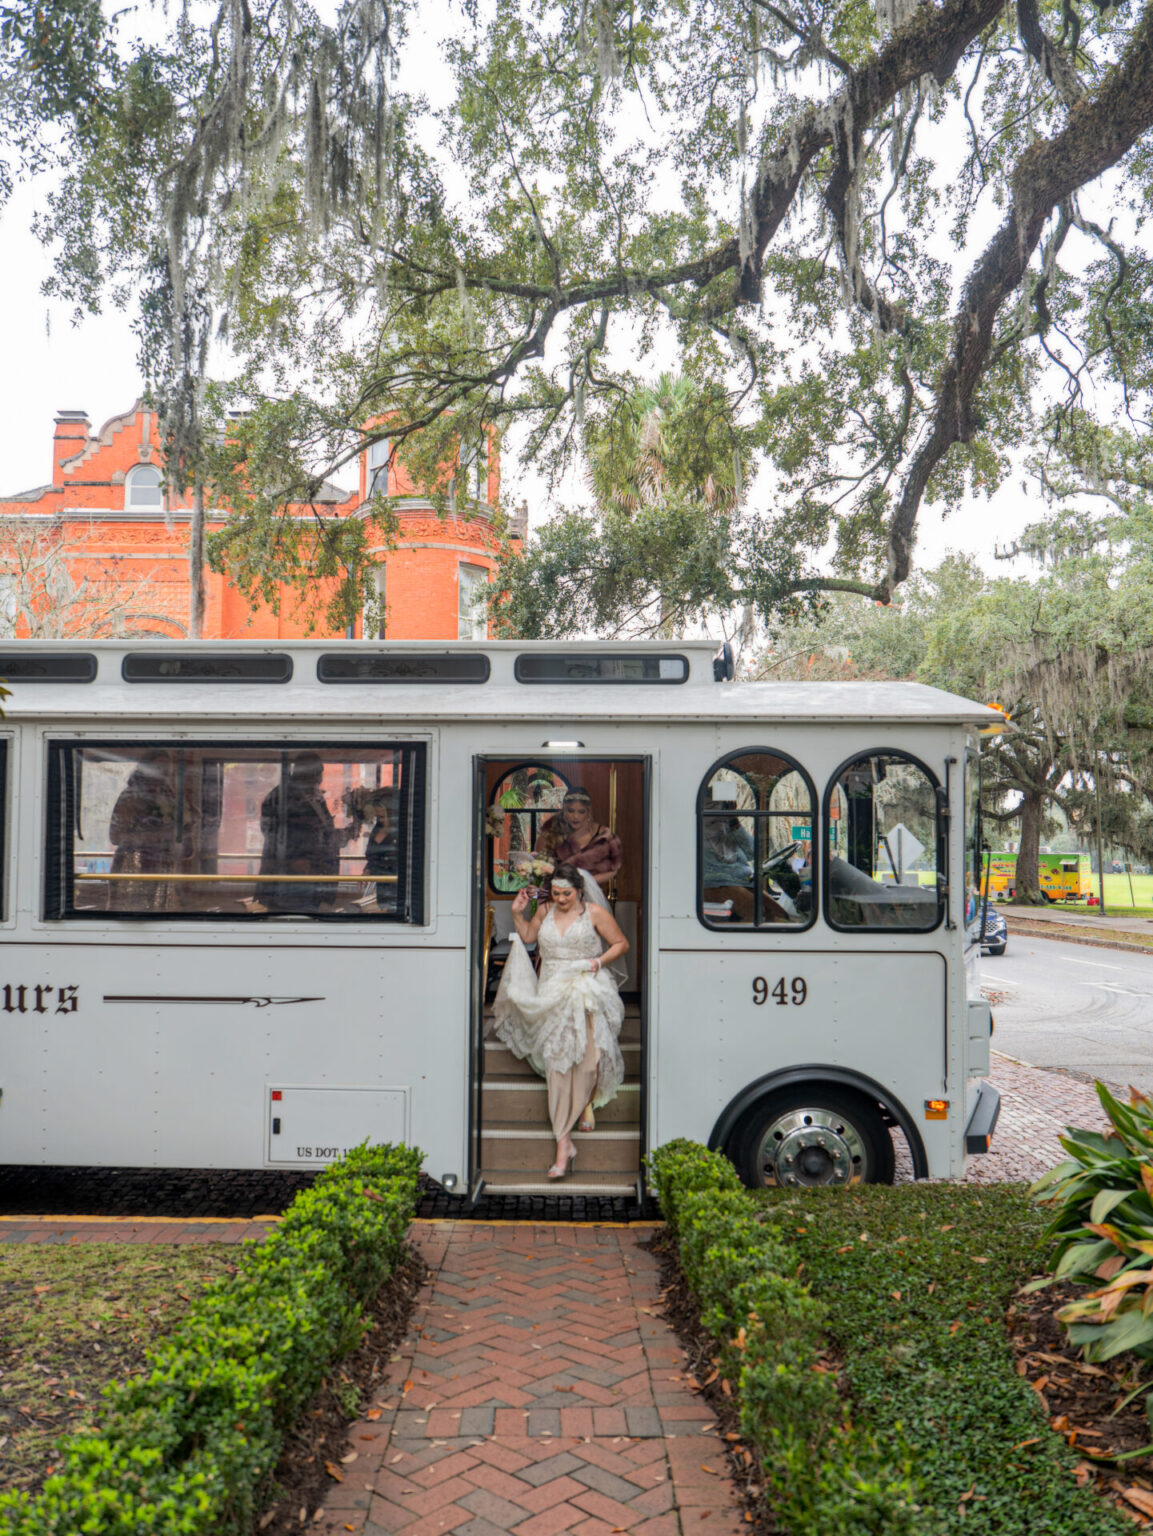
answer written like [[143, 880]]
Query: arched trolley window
[[755, 841], [519, 807], [885, 857]]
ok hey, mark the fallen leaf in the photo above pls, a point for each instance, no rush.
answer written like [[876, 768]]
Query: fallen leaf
[[973, 1259], [1140, 1499], [334, 1471], [896, 1295], [1021, 1444], [408, 1386], [732, 1437], [706, 1468], [373, 1413], [352, 1456]]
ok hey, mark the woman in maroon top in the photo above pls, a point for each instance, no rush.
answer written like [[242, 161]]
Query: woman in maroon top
[[576, 837]]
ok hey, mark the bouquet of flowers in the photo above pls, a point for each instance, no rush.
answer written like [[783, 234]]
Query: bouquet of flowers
[[529, 871]]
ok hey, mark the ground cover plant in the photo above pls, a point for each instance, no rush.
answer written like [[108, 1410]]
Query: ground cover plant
[[186, 1448], [74, 1317], [865, 1333]]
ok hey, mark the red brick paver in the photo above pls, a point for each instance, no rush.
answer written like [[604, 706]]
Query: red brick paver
[[538, 1392]]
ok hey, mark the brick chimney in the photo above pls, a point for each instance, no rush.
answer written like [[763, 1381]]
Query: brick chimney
[[72, 433]]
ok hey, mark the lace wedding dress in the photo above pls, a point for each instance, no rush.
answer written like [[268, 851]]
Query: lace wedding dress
[[543, 1020]]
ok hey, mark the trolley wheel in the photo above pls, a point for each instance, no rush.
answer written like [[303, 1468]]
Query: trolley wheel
[[802, 1138]]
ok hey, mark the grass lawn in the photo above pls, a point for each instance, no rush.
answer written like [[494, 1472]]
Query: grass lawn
[[917, 1282], [73, 1318], [1120, 901]]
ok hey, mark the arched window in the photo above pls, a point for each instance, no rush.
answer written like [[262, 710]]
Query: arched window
[[755, 842], [142, 489], [519, 806], [885, 853]]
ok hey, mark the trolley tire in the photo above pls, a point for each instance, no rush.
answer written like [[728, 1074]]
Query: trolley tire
[[858, 1148]]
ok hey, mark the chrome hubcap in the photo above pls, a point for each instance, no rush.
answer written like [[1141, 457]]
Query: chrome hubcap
[[805, 1148]]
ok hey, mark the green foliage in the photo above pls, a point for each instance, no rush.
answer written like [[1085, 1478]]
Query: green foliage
[[916, 1281], [1102, 1229], [656, 551], [185, 1448], [793, 200], [55, 63], [891, 1301], [822, 1472]]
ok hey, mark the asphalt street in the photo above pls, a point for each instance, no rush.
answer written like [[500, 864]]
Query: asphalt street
[[1073, 1006]]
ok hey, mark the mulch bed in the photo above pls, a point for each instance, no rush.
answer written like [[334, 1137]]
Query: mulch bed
[[1082, 1400], [313, 1453], [1079, 1398], [700, 1363]]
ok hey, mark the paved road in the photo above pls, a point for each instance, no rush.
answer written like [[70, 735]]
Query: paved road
[[1073, 1006]]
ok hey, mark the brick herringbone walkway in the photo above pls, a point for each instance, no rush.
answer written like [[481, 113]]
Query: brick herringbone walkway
[[539, 1391]]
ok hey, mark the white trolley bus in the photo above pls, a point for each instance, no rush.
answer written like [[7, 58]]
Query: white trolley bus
[[256, 898]]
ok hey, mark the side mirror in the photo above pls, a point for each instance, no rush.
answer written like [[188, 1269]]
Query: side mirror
[[724, 664]]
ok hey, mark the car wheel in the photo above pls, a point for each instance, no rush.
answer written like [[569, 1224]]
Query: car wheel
[[804, 1138], [996, 949]]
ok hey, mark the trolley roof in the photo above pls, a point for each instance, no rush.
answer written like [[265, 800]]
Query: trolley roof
[[193, 700]]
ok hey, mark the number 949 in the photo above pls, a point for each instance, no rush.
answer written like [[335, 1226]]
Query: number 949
[[785, 993]]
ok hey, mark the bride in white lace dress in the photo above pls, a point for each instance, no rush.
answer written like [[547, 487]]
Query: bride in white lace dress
[[567, 1023]]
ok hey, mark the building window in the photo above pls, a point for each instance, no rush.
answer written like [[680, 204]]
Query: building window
[[372, 623], [474, 466], [472, 602], [378, 468], [885, 845], [174, 832], [9, 604], [142, 489], [755, 848]]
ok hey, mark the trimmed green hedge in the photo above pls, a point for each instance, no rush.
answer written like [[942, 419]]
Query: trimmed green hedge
[[185, 1449], [822, 1473], [909, 1288]]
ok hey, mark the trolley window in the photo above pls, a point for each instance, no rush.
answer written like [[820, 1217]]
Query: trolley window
[[622, 668], [885, 845], [519, 809], [178, 832], [755, 842]]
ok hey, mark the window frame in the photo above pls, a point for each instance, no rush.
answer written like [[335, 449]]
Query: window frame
[[754, 927], [133, 478], [375, 466], [491, 800], [58, 890], [479, 619], [525, 663], [941, 850]]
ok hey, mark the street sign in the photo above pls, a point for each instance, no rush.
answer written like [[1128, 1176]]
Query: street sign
[[904, 849], [802, 834]]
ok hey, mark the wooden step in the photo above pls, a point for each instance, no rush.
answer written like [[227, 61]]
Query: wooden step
[[630, 1026], [524, 1100], [512, 1181], [531, 1148], [499, 1061]]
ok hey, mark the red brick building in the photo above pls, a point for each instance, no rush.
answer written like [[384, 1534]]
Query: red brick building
[[111, 542]]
